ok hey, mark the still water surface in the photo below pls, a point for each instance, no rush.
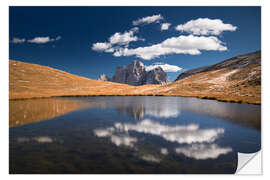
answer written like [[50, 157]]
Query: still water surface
[[130, 135]]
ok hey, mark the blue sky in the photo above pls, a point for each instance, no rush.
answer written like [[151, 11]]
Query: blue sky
[[89, 41]]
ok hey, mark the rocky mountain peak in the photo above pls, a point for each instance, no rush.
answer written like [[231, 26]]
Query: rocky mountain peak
[[132, 74], [136, 63], [136, 75], [103, 77], [156, 76]]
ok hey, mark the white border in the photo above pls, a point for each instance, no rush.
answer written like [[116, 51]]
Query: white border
[[265, 75], [135, 2]]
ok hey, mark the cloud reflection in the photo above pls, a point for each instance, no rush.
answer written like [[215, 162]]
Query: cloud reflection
[[163, 113], [164, 151], [43, 139], [180, 133], [199, 142], [203, 151], [118, 140], [40, 139], [150, 158], [123, 140], [104, 132]]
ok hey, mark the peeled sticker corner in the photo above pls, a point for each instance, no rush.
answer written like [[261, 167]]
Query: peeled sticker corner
[[249, 163]]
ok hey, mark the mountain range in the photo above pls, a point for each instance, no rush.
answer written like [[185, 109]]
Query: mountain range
[[135, 74], [237, 79]]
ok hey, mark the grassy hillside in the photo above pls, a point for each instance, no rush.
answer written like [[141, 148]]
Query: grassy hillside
[[237, 79], [34, 81], [226, 84]]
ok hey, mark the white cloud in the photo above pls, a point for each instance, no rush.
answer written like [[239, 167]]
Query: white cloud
[[165, 26], [203, 151], [147, 20], [175, 45], [40, 40], [58, 38], [165, 67], [17, 40], [180, 134], [101, 46], [116, 41], [124, 38], [205, 26], [43, 40], [110, 50]]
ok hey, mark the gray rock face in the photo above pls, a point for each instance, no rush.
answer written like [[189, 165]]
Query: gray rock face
[[132, 74], [233, 63], [156, 76], [136, 75], [103, 77]]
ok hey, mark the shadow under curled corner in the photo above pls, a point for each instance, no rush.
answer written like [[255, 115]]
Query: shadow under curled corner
[[249, 163]]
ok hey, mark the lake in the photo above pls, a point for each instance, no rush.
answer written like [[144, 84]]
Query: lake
[[132, 134]]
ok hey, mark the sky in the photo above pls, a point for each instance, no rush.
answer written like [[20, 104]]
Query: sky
[[90, 41]]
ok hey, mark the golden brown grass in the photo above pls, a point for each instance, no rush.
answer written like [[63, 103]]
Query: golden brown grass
[[35, 81]]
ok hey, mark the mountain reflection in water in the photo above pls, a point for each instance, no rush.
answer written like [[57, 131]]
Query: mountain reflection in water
[[130, 135]]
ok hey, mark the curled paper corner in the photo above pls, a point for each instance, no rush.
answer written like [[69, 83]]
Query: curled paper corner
[[249, 163]]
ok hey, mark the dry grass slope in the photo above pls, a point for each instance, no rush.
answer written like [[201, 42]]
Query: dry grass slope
[[235, 85], [35, 81]]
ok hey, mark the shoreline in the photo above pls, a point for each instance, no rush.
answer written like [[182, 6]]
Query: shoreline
[[239, 101]]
